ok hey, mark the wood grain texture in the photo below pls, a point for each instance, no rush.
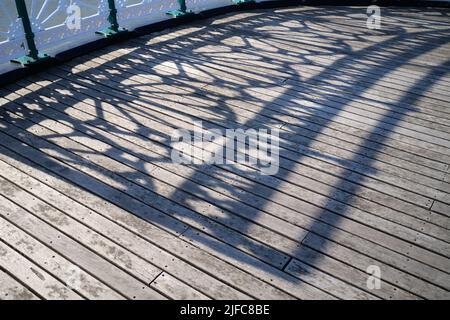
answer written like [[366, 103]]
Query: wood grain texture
[[93, 207]]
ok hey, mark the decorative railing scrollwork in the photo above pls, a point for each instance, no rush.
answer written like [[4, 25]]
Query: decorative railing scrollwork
[[31, 30]]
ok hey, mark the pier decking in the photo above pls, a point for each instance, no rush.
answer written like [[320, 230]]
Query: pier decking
[[92, 207]]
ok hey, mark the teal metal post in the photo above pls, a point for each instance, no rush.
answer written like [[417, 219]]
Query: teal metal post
[[180, 12], [114, 28], [33, 55]]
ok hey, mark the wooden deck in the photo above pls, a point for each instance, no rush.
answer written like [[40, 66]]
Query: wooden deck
[[91, 205]]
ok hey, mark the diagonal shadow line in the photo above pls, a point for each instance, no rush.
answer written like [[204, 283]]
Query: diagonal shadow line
[[367, 52], [410, 54], [420, 87]]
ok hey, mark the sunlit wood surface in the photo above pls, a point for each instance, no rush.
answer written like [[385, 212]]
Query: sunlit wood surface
[[91, 205]]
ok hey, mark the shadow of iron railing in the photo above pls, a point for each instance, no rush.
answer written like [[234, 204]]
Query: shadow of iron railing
[[126, 112]]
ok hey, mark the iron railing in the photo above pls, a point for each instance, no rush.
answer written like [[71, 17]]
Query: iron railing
[[34, 30]]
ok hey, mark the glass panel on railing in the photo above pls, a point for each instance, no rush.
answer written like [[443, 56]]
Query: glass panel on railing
[[60, 25], [63, 24], [12, 39], [137, 13], [202, 5]]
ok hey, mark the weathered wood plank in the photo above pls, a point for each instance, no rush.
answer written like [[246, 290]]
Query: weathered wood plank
[[106, 223], [345, 272], [176, 289], [35, 277], [292, 284], [360, 260], [11, 289], [103, 246], [244, 280], [54, 263], [106, 272]]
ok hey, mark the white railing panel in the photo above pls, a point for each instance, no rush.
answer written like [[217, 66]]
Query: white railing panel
[[202, 5], [12, 38], [137, 13], [53, 35]]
